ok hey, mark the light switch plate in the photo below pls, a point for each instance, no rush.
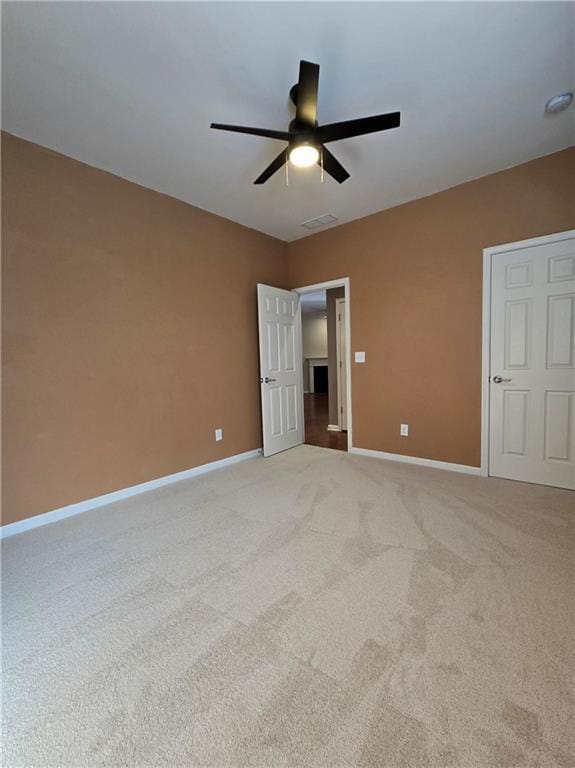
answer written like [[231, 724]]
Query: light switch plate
[[404, 430], [219, 434], [360, 357]]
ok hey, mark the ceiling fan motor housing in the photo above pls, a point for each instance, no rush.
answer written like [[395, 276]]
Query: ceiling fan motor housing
[[300, 129], [300, 132], [293, 94]]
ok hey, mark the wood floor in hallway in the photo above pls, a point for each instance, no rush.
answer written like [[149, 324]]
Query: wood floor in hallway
[[316, 409]]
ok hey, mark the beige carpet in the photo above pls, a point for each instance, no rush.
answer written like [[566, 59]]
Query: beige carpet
[[313, 609]]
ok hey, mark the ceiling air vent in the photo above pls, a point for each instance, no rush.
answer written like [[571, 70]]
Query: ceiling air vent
[[321, 221]]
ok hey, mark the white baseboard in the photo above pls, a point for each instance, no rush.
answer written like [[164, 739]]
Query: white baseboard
[[84, 506], [333, 428], [467, 470]]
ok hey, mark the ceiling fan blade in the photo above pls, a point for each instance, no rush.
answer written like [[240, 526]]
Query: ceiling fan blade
[[274, 166], [281, 135], [306, 108], [333, 166], [359, 127]]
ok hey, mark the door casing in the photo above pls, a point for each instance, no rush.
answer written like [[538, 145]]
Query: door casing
[[341, 378], [489, 254], [342, 282]]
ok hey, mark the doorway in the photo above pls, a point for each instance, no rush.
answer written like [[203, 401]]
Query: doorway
[[325, 365], [284, 386], [529, 361]]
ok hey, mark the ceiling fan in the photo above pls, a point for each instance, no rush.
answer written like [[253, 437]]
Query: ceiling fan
[[306, 139]]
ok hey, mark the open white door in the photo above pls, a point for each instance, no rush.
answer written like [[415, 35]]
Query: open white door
[[281, 375], [532, 393]]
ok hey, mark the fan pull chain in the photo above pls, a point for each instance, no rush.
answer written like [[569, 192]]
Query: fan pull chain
[[287, 173], [321, 164]]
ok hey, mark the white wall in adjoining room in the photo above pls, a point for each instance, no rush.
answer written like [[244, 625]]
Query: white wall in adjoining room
[[314, 335]]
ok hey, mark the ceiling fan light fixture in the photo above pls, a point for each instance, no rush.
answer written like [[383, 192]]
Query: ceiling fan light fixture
[[303, 155], [305, 138]]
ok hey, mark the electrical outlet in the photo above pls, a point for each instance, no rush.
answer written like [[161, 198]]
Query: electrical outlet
[[360, 357], [219, 434], [404, 430]]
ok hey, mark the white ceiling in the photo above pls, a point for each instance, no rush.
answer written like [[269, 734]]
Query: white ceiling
[[312, 302], [132, 88]]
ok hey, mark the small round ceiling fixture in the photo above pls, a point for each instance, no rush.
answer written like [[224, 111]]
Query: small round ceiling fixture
[[304, 155], [559, 103]]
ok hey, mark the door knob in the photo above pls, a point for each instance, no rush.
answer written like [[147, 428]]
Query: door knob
[[267, 380], [499, 380]]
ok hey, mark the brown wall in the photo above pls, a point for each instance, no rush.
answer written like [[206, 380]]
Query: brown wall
[[416, 275], [130, 329], [130, 332]]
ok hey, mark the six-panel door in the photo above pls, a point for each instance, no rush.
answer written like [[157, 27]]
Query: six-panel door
[[532, 390], [281, 374]]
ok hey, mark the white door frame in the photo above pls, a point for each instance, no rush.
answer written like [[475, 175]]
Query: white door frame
[[342, 282], [338, 302], [488, 255]]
